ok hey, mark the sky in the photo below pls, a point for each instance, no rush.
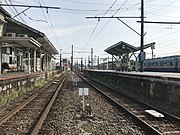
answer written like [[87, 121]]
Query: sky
[[69, 26]]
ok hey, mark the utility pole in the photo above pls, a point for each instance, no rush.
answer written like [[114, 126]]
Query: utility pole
[[98, 62], [77, 66], [85, 63], [142, 53], [88, 62], [91, 58], [112, 63], [60, 63], [72, 60], [108, 64], [81, 64]]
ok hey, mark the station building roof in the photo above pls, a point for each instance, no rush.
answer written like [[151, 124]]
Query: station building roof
[[20, 42], [14, 26], [122, 48]]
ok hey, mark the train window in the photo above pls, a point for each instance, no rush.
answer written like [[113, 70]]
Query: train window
[[149, 64], [161, 63], [156, 64], [171, 63]]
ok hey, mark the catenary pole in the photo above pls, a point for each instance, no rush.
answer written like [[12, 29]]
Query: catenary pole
[[72, 60], [142, 54], [91, 58]]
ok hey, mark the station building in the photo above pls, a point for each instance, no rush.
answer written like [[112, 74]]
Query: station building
[[23, 48]]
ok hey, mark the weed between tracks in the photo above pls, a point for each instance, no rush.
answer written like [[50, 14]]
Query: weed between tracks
[[22, 90]]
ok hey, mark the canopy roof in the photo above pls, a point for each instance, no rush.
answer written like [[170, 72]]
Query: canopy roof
[[14, 26], [122, 48], [21, 41]]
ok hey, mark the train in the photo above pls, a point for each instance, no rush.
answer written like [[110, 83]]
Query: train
[[163, 64], [160, 64]]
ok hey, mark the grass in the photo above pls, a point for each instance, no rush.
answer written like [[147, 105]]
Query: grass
[[88, 128], [16, 93]]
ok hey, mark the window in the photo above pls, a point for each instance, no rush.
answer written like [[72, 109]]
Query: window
[[10, 60], [149, 64], [161, 63], [171, 63]]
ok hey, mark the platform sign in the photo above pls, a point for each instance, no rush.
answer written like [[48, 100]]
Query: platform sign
[[83, 91]]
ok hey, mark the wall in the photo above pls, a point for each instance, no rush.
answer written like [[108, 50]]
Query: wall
[[165, 90], [7, 85]]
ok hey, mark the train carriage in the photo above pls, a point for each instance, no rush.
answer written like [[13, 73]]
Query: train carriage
[[163, 64]]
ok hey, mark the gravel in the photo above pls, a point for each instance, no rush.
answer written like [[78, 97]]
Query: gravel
[[68, 118]]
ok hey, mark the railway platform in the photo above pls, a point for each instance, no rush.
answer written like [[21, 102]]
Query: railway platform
[[162, 87], [16, 80]]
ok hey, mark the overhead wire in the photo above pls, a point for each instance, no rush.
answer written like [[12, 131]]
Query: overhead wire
[[73, 1], [155, 14], [167, 41], [12, 10], [51, 25], [115, 35], [98, 24], [107, 22], [15, 11], [37, 20], [84, 10], [160, 7], [169, 3]]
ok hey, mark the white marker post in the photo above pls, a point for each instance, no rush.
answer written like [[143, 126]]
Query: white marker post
[[83, 92], [76, 80]]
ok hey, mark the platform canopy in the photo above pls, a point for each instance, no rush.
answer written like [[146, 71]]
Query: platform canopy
[[20, 42], [14, 26], [122, 48]]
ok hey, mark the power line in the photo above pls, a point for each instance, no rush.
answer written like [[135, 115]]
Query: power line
[[98, 23], [37, 20], [108, 21], [18, 13], [159, 8], [14, 5], [51, 24], [85, 10], [158, 22], [13, 11], [85, 2], [160, 15]]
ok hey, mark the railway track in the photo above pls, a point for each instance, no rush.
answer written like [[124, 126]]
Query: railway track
[[161, 126], [29, 115], [68, 117]]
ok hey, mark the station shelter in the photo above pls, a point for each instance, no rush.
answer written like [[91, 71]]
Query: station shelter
[[122, 52], [24, 48]]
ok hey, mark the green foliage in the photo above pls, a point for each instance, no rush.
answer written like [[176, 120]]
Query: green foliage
[[88, 128], [39, 83], [16, 93]]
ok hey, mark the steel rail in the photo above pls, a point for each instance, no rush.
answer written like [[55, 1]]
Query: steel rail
[[23, 104], [46, 110], [150, 129], [167, 115]]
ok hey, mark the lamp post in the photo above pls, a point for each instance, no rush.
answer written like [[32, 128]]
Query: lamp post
[[60, 63]]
